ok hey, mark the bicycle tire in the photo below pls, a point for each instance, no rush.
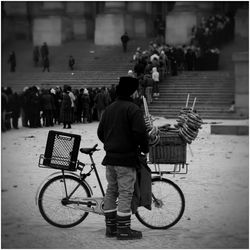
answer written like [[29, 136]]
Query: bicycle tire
[[167, 210], [50, 201]]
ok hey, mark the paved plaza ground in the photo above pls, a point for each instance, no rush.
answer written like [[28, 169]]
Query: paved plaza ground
[[216, 190]]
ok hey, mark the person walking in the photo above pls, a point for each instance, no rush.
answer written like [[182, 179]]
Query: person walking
[[122, 130], [125, 39]]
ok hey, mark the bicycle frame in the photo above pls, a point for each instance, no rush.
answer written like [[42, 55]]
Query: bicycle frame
[[94, 204]]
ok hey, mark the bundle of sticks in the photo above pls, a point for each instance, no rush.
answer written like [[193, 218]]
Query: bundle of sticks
[[189, 122]]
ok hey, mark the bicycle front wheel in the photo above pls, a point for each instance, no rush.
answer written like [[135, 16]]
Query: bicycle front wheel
[[57, 201], [168, 204]]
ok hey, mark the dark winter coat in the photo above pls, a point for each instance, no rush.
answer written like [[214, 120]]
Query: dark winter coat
[[123, 132], [48, 102], [65, 111], [143, 186]]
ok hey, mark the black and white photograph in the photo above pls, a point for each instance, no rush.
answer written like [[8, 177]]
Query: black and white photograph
[[124, 124]]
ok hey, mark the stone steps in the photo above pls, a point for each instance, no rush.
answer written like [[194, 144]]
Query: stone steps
[[213, 90]]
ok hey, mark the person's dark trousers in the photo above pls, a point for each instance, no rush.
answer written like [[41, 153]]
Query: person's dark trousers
[[15, 120], [44, 68], [48, 115]]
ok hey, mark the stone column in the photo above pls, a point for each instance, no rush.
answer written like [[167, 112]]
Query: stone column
[[15, 25], [241, 71], [242, 23], [139, 11], [81, 14], [110, 25], [180, 21], [51, 26]]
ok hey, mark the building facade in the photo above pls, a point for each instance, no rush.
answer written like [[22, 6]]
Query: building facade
[[104, 22]]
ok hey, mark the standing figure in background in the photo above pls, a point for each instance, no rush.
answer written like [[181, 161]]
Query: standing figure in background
[[12, 61], [65, 111], [85, 106], [44, 50], [155, 77], [71, 62], [46, 64], [125, 39], [100, 102]]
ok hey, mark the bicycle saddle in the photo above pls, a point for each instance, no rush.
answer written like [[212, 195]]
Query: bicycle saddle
[[88, 151]]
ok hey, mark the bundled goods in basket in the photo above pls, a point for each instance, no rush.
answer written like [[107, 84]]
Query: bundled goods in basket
[[153, 132], [189, 123]]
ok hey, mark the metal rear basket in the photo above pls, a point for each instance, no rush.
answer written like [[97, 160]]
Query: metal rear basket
[[61, 151], [170, 150]]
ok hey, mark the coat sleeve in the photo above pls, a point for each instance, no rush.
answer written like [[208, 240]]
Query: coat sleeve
[[139, 131]]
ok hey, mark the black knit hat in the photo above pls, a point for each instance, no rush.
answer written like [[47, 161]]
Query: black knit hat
[[127, 86]]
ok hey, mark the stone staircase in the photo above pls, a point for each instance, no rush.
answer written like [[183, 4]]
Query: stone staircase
[[214, 92], [98, 66]]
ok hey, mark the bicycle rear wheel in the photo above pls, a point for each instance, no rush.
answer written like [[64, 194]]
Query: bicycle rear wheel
[[57, 201], [168, 205]]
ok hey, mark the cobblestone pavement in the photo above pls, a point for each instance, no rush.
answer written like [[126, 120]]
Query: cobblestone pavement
[[216, 190]]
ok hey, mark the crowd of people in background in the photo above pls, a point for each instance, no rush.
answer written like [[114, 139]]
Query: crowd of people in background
[[213, 32], [47, 107]]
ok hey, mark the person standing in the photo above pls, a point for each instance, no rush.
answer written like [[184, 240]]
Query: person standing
[[44, 50], [85, 106], [46, 63], [100, 102], [155, 77], [65, 111], [12, 61], [71, 62], [125, 39], [122, 130]]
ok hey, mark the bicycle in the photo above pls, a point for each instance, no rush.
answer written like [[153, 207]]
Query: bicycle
[[65, 198]]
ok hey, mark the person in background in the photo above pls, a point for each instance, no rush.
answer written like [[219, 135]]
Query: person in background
[[100, 102], [44, 50], [66, 111], [71, 62], [46, 63], [122, 130], [12, 61], [155, 77], [72, 98], [85, 106], [125, 39]]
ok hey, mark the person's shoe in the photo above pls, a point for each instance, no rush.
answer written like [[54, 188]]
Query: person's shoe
[[124, 232], [110, 220]]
